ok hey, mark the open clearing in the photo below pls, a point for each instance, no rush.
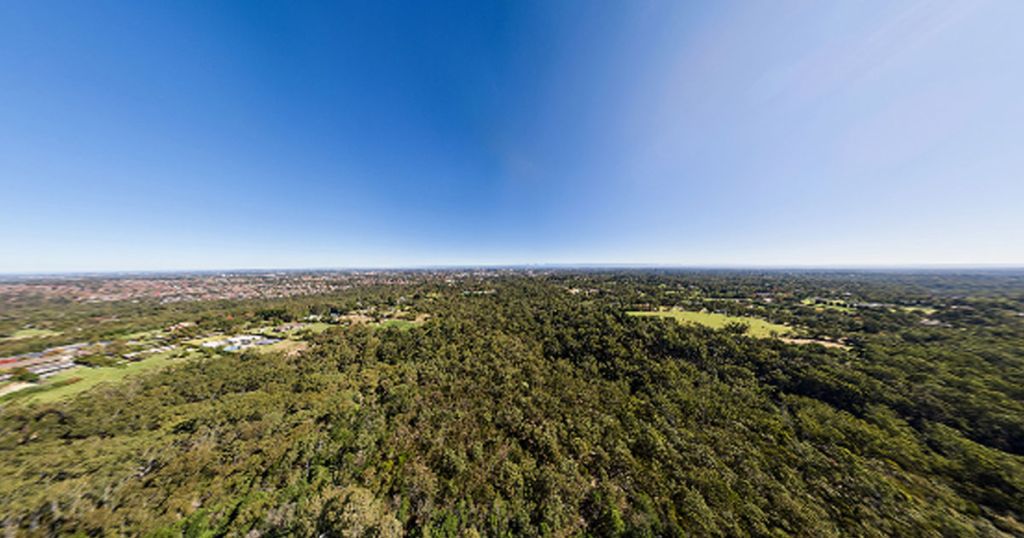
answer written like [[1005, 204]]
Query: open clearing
[[926, 310], [297, 331], [13, 386], [401, 324], [63, 385], [808, 341], [317, 327], [23, 334], [288, 347], [757, 327], [829, 304]]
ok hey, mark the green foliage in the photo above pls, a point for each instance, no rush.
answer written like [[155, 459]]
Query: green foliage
[[22, 374], [535, 411], [97, 361]]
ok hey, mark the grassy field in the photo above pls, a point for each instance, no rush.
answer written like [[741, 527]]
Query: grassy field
[[317, 327], [926, 310], [838, 306], [312, 328], [758, 328], [401, 324], [287, 347], [204, 339], [22, 334], [58, 387]]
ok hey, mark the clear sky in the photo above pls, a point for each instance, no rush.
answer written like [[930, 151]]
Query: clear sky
[[216, 135]]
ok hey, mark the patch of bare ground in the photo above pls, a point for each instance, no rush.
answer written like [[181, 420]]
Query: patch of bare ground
[[12, 387], [806, 341]]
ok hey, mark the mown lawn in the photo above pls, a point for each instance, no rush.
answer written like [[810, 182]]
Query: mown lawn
[[757, 327]]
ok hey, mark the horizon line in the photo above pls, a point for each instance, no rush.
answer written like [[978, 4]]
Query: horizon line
[[538, 265]]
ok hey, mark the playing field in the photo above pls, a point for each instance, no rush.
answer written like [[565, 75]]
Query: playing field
[[758, 328]]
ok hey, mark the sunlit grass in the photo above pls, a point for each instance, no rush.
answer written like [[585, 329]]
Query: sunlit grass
[[757, 327], [77, 380], [24, 334]]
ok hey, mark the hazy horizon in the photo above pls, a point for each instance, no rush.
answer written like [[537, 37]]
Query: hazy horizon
[[920, 268], [189, 136]]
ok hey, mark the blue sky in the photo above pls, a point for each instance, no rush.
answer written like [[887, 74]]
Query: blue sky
[[215, 135]]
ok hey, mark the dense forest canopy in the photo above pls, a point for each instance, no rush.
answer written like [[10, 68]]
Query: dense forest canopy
[[511, 403]]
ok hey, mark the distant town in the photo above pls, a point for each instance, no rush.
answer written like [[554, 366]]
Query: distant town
[[206, 286]]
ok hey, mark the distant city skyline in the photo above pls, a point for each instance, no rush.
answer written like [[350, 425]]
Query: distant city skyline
[[182, 136]]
